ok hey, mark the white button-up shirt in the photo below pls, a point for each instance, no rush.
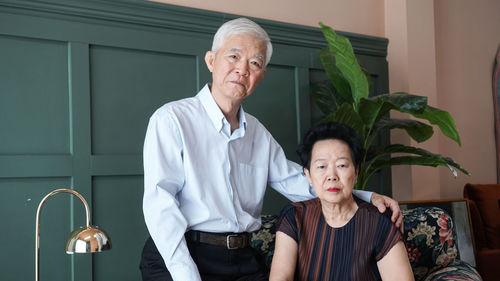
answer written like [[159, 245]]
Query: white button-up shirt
[[197, 175]]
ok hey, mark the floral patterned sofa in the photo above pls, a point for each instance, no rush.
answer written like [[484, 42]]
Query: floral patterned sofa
[[429, 236]]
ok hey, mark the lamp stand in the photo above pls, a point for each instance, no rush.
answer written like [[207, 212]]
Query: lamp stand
[[87, 239]]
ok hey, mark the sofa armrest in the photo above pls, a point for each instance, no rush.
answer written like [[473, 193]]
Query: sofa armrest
[[477, 226], [458, 270], [487, 261], [430, 239]]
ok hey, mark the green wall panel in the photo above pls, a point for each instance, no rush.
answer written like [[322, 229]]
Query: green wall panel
[[277, 110], [78, 82], [126, 86], [275, 105], [118, 209], [18, 206], [33, 110]]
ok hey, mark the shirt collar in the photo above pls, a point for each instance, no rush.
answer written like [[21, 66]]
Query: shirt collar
[[243, 120], [214, 112]]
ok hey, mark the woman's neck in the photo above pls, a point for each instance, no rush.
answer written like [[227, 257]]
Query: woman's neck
[[339, 214]]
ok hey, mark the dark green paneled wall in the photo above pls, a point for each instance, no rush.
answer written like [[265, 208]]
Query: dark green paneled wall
[[78, 82]]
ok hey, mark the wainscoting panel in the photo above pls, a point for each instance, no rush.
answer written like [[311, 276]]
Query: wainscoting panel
[[37, 105], [118, 209], [126, 84], [18, 205]]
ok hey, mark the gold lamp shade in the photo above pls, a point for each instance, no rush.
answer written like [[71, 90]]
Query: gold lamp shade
[[89, 239]]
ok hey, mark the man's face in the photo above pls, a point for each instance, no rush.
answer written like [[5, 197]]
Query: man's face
[[237, 68]]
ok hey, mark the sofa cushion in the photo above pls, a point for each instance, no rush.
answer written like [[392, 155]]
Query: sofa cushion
[[430, 239], [487, 199], [263, 239]]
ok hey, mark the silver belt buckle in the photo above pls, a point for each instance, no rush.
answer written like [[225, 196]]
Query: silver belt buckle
[[228, 244]]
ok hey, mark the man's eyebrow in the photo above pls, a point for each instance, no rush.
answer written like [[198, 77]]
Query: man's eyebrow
[[236, 50]]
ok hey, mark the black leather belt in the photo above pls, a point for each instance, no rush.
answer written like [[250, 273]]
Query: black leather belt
[[231, 241]]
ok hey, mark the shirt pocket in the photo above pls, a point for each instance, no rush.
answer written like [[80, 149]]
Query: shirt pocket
[[251, 183]]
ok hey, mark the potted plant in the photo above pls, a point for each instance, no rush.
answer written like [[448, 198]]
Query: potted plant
[[348, 101]]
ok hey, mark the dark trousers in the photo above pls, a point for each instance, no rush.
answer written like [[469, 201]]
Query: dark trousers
[[215, 263]]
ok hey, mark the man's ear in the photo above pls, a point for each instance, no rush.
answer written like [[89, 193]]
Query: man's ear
[[264, 71], [209, 60]]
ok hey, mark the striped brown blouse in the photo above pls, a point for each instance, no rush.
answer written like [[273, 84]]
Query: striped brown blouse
[[350, 252]]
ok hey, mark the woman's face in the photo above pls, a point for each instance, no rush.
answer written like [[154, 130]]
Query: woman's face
[[332, 173]]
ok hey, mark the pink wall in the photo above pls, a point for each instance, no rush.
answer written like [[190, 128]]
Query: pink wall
[[443, 49], [412, 48], [360, 16], [468, 36]]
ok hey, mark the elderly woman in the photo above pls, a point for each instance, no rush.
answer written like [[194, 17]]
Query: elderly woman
[[336, 236]]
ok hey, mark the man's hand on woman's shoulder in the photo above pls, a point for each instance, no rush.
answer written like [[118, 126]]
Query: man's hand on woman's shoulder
[[382, 202]]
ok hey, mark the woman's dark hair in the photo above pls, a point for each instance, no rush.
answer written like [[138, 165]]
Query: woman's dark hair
[[330, 131]]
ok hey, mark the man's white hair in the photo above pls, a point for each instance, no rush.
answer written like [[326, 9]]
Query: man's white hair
[[240, 26]]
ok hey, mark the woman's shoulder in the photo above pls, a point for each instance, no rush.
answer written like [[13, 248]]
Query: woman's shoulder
[[308, 204], [372, 212], [301, 208]]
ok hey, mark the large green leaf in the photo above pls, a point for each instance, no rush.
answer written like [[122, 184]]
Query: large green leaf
[[336, 77], [417, 130], [443, 120], [324, 97], [373, 109], [417, 106], [404, 160], [347, 115], [437, 159], [370, 111], [347, 63], [402, 102], [415, 160], [405, 102], [406, 156]]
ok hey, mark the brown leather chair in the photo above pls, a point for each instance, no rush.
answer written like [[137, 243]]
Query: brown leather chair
[[484, 202]]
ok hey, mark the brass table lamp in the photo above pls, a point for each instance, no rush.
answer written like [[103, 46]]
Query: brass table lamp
[[89, 239]]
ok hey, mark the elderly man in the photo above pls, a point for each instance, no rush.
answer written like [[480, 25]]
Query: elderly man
[[206, 167]]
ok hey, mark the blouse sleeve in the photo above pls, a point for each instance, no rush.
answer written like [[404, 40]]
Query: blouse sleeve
[[287, 222], [386, 237]]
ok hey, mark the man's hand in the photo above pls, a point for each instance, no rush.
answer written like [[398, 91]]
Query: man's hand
[[382, 202]]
